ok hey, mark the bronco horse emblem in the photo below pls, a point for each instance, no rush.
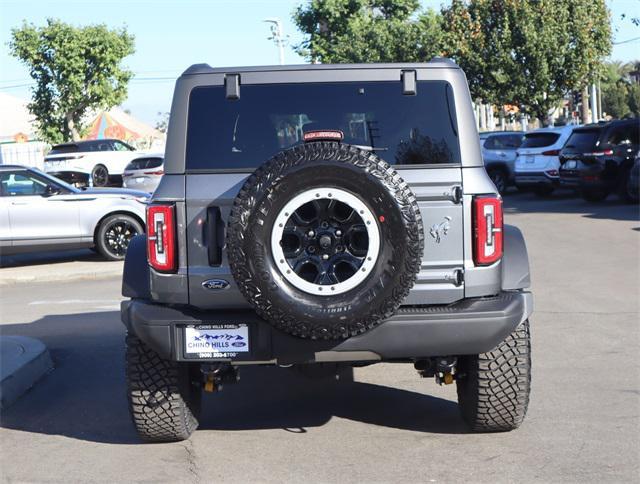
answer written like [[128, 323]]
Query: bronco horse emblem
[[438, 231]]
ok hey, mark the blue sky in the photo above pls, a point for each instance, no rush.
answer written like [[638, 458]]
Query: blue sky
[[172, 35]]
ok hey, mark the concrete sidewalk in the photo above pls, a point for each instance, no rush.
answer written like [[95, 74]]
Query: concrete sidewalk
[[23, 361], [56, 266]]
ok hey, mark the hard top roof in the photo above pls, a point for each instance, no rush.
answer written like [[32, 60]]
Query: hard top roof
[[437, 62]]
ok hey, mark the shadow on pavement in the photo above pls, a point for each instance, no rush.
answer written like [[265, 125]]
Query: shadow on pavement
[[50, 257], [84, 397], [564, 201]]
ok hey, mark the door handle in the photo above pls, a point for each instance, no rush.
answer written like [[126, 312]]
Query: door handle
[[18, 203]]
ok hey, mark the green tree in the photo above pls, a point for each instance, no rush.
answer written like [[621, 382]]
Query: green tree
[[343, 31], [527, 52], [76, 69]]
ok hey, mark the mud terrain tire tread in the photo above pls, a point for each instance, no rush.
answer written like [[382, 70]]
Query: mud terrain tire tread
[[493, 391], [259, 184], [160, 407]]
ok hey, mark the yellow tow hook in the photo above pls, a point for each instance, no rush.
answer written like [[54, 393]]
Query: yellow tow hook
[[210, 383], [447, 378]]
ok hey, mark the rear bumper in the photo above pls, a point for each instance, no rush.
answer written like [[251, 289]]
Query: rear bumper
[[470, 326], [535, 178]]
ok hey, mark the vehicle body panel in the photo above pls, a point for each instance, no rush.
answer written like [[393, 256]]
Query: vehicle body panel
[[532, 167], [64, 219]]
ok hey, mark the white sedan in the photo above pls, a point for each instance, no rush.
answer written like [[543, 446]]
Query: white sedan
[[40, 212]]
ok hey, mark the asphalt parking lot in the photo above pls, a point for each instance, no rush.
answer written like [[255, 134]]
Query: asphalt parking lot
[[388, 426]]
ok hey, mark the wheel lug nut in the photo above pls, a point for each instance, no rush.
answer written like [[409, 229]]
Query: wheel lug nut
[[325, 256], [338, 232], [311, 249], [311, 233]]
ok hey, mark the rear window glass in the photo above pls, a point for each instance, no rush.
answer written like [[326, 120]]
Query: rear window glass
[[61, 149], [144, 163], [243, 133], [503, 142], [97, 145], [539, 140], [583, 140]]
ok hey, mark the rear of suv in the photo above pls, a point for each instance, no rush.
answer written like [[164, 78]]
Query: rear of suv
[[598, 159], [322, 217], [537, 160]]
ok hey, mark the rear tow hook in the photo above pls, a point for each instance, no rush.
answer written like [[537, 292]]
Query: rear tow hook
[[216, 376], [443, 368]]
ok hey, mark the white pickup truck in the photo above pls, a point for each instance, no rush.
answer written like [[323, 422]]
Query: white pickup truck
[[97, 163]]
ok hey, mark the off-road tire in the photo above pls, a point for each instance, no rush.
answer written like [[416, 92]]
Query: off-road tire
[[252, 217], [164, 396], [493, 387]]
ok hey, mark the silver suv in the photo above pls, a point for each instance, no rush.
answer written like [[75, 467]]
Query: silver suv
[[324, 217]]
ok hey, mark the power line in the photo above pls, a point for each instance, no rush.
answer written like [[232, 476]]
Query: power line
[[626, 41]]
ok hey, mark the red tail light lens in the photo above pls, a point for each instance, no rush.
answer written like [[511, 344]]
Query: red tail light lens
[[551, 153], [487, 216], [600, 153], [161, 238]]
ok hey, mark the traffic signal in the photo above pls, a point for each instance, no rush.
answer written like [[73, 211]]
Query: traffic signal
[[577, 97]]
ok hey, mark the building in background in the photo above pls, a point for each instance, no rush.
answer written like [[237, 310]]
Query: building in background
[[19, 143]]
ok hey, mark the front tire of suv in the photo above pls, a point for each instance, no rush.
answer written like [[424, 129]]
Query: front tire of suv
[[493, 387], [164, 396], [626, 193]]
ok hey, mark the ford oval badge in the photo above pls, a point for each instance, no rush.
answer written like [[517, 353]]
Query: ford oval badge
[[215, 284]]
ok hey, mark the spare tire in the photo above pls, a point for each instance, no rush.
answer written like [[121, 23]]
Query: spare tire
[[325, 240]]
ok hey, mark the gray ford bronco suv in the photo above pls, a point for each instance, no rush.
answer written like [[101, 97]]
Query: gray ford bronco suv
[[324, 217]]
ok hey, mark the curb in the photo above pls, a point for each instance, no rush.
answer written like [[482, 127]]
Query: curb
[[23, 361]]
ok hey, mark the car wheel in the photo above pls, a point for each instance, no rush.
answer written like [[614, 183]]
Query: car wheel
[[499, 179], [626, 190], [594, 194], [114, 234], [494, 387], [338, 225], [100, 176], [164, 396]]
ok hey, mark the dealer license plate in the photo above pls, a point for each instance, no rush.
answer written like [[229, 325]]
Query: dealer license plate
[[570, 165], [529, 159], [216, 341]]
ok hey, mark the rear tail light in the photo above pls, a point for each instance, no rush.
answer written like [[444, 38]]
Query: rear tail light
[[161, 237], [600, 153], [487, 216], [551, 153], [552, 172]]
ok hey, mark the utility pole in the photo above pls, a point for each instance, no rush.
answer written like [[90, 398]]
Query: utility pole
[[594, 104], [277, 36]]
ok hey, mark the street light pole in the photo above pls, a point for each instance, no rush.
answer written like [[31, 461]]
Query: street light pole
[[277, 36]]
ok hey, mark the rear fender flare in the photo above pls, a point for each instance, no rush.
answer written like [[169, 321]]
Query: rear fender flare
[[515, 261]]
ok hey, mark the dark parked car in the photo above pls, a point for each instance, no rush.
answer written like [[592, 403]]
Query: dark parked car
[[499, 154], [597, 159]]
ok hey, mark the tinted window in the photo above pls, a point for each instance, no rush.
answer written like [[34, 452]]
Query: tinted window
[[60, 149], [623, 135], [583, 140], [144, 163], [243, 133], [539, 140], [503, 142]]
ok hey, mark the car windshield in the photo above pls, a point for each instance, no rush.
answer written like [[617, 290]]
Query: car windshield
[[539, 140], [583, 140], [243, 133]]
